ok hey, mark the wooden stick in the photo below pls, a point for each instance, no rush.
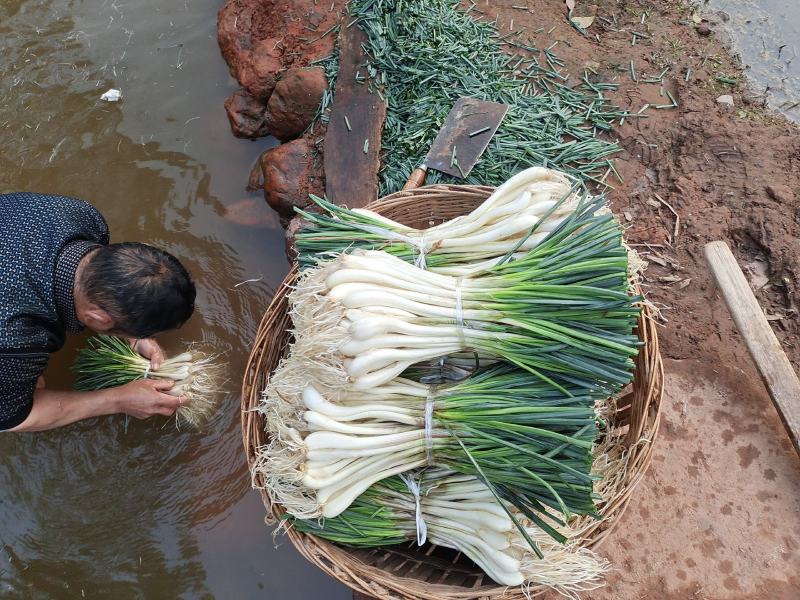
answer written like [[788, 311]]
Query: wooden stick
[[416, 179], [776, 370]]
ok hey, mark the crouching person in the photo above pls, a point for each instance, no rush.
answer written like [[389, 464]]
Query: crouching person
[[59, 275]]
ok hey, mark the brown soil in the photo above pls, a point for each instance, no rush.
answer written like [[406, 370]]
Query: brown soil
[[729, 173]]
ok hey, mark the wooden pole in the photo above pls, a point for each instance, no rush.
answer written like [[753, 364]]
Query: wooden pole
[[776, 370]]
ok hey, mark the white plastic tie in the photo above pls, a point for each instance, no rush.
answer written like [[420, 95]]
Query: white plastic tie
[[422, 527], [429, 427], [147, 371], [460, 314], [422, 249], [419, 244]]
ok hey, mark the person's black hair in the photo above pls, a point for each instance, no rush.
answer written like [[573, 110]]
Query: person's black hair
[[145, 290]]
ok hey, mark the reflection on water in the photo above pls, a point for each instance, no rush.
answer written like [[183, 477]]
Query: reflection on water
[[95, 510]]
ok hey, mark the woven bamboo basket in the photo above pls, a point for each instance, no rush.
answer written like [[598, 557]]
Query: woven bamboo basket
[[433, 573]]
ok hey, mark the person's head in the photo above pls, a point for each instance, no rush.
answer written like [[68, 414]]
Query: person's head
[[132, 289]]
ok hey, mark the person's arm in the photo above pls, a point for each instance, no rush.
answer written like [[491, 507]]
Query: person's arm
[[140, 399]]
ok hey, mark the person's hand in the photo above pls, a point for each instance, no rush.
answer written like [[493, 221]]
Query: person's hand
[[150, 349], [144, 398]]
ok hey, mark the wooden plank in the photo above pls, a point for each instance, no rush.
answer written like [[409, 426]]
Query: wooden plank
[[352, 155], [776, 370]]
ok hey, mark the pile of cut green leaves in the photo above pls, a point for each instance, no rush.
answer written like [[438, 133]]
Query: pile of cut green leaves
[[427, 54], [369, 446]]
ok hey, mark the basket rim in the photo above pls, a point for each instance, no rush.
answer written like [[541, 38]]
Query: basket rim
[[337, 561]]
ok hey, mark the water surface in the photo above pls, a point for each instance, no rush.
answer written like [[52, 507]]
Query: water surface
[[95, 510], [767, 34]]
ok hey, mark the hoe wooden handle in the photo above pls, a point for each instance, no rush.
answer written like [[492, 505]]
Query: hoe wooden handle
[[775, 368], [416, 179]]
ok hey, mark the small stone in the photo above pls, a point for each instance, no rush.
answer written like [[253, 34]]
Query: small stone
[[246, 114], [781, 193], [725, 99], [704, 29], [294, 102], [628, 216]]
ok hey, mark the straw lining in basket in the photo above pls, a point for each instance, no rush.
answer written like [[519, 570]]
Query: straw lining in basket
[[407, 572]]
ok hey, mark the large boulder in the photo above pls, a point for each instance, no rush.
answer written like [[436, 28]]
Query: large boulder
[[294, 102], [246, 114], [290, 173], [260, 38]]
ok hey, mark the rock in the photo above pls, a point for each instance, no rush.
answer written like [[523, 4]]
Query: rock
[[294, 102], [258, 73], [246, 114], [259, 38], [290, 175], [725, 99], [704, 29], [781, 193]]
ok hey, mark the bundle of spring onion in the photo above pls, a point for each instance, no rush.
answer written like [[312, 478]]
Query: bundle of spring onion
[[563, 308], [528, 440], [459, 512], [499, 228], [108, 361]]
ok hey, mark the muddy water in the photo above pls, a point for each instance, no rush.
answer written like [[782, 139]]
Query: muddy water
[[95, 510], [767, 34]]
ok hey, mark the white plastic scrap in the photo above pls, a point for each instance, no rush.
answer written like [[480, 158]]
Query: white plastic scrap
[[111, 95]]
